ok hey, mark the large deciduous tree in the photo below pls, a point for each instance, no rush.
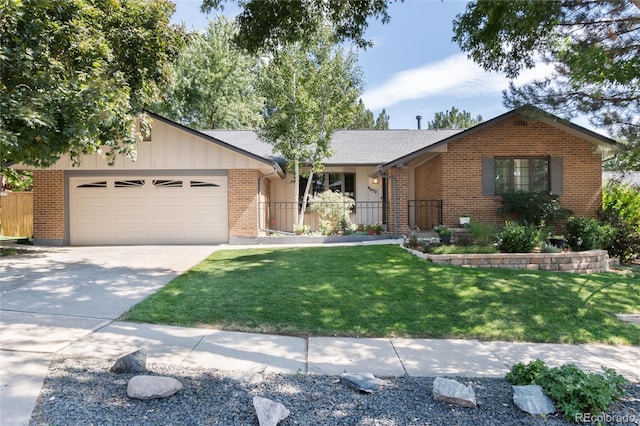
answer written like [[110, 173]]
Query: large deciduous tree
[[214, 84], [594, 46], [76, 72], [453, 119], [311, 91], [269, 24]]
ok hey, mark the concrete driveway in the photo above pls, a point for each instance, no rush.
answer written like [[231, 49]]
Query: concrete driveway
[[52, 297]]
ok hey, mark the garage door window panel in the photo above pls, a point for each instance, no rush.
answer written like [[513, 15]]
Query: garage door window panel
[[202, 184], [100, 184], [167, 183], [135, 183]]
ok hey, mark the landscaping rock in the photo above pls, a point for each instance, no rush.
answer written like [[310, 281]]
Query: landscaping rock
[[365, 382], [269, 412], [532, 400], [134, 362], [453, 392], [152, 387]]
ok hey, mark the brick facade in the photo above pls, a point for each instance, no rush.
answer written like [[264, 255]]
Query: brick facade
[[401, 176], [457, 173], [48, 206], [243, 202]]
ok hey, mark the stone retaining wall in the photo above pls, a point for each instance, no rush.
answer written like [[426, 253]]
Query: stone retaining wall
[[586, 262]]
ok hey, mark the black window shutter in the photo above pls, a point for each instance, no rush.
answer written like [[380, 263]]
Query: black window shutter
[[488, 176], [555, 166]]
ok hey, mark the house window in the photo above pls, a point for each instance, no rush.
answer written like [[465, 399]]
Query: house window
[[521, 174], [344, 183]]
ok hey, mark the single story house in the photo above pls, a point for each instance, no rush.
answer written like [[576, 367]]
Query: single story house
[[216, 186]]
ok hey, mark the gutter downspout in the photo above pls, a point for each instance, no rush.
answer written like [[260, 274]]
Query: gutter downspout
[[260, 227], [394, 186]]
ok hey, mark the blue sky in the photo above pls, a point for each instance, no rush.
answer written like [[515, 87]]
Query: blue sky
[[413, 67]]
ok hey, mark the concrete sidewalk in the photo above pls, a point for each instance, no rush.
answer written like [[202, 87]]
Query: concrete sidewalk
[[29, 342], [67, 301]]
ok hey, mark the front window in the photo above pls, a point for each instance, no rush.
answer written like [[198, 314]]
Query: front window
[[344, 183], [521, 174]]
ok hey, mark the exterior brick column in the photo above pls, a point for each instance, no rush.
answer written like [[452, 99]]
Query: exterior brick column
[[401, 176], [48, 207], [243, 203]]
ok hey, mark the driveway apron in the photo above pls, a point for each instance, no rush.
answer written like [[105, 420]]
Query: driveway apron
[[52, 297]]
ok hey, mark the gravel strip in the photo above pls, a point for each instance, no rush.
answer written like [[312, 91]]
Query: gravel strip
[[82, 391]]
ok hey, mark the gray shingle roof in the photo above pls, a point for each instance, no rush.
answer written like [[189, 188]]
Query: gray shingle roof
[[350, 147]]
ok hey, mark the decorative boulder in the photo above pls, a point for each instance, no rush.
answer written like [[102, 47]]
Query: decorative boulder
[[366, 382], [453, 392], [134, 362], [532, 400], [269, 412], [152, 387]]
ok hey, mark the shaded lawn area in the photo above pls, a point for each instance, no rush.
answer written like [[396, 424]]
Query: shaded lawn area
[[383, 291]]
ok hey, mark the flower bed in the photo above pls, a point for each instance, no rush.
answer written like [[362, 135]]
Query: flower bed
[[591, 261]]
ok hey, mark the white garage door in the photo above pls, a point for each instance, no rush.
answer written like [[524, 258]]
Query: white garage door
[[148, 210]]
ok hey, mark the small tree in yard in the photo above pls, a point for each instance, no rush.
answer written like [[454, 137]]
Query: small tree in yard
[[311, 91]]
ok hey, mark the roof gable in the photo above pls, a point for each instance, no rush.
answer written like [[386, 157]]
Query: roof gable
[[528, 112]]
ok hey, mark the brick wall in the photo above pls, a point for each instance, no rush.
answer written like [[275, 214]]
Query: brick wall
[[243, 202], [461, 187], [428, 178], [48, 205], [402, 179]]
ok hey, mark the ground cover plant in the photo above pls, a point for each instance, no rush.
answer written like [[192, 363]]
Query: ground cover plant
[[383, 290], [573, 391]]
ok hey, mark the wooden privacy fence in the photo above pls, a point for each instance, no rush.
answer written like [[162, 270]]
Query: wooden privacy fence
[[16, 217]]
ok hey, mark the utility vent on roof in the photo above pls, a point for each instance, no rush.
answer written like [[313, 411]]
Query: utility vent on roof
[[520, 123]]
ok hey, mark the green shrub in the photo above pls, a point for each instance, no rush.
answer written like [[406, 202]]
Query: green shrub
[[334, 210], [516, 238], [621, 209], [584, 233], [532, 208], [527, 374], [483, 234], [463, 250], [549, 248], [573, 391]]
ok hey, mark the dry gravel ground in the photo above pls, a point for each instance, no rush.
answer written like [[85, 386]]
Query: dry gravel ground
[[82, 391]]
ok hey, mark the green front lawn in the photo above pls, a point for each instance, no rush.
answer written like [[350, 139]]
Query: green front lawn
[[381, 291]]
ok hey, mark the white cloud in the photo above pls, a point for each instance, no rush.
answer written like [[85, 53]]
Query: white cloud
[[455, 75]]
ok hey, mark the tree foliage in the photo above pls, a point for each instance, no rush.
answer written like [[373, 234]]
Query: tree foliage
[[364, 119], [270, 24], [311, 92], [215, 83], [594, 47], [621, 209], [382, 122], [75, 73], [454, 119]]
